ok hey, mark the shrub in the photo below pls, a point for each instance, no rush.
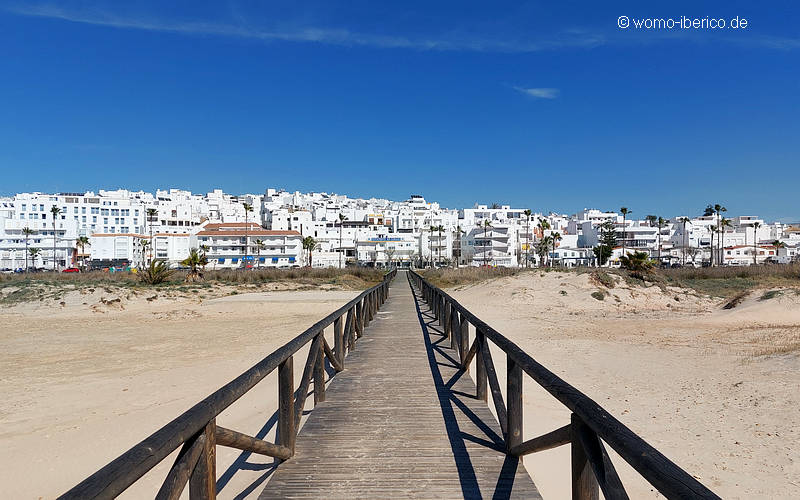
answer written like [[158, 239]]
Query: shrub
[[638, 262], [599, 295], [156, 273], [604, 279], [771, 294]]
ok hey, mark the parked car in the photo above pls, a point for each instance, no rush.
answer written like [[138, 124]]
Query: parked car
[[71, 270]]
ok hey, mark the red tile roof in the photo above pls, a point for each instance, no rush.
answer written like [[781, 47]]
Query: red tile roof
[[221, 225], [260, 232]]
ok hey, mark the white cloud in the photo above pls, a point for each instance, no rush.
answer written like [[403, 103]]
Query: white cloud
[[538, 92], [327, 36]]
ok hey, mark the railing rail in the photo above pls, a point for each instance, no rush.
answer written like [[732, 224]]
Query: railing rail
[[590, 424], [196, 428]]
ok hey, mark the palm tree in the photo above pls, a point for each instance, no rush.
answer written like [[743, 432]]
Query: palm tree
[[247, 209], [718, 209], [756, 225], [486, 225], [33, 252], [342, 218], [724, 223], [144, 244], [193, 261], [82, 242], [542, 247], [637, 262], [27, 232], [527, 213], [204, 249], [555, 238], [259, 246], [543, 225], [458, 233], [309, 244], [431, 230], [624, 211], [56, 212], [713, 229], [778, 244], [683, 221], [152, 216]]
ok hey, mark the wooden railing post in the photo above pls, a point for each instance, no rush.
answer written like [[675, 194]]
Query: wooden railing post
[[513, 402], [584, 483], [463, 338], [454, 329], [349, 330], [203, 480], [359, 320], [286, 428], [319, 376], [481, 377], [446, 317], [338, 340]]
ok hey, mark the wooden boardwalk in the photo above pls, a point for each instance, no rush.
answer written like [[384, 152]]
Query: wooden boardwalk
[[401, 421]]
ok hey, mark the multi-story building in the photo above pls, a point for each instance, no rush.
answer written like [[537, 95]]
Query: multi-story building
[[239, 244]]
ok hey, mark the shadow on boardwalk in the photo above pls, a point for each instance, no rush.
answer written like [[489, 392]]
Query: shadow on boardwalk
[[441, 360], [401, 421]]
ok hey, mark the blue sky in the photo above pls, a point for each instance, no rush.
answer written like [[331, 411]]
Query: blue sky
[[545, 105]]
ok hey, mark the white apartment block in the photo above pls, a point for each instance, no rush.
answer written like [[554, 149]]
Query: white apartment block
[[349, 231], [248, 245]]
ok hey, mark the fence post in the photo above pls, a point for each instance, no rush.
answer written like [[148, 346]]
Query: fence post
[[454, 328], [513, 403], [359, 320], [481, 377], [338, 340], [203, 480], [446, 317], [319, 376], [286, 430], [584, 484], [464, 339]]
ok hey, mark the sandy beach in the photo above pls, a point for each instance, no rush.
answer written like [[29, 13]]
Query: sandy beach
[[714, 390], [84, 381], [89, 374]]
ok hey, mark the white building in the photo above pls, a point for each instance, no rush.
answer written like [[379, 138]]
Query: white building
[[236, 244]]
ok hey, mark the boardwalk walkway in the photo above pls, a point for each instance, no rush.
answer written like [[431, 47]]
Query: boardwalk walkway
[[401, 421]]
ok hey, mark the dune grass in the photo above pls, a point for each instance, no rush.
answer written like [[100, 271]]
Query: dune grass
[[21, 287], [445, 278], [729, 282], [723, 282]]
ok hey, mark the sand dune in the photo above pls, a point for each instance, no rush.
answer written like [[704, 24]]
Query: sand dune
[[716, 390], [84, 381]]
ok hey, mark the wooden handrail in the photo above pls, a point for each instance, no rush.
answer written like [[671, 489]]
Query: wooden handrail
[[669, 479], [120, 473]]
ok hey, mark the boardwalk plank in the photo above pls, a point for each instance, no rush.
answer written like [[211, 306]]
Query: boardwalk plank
[[391, 427]]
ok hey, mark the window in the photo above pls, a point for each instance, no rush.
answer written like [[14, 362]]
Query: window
[[220, 261], [234, 260]]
